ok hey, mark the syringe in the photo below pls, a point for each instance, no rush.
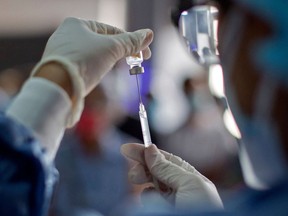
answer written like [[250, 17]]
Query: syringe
[[143, 119], [144, 125], [135, 69]]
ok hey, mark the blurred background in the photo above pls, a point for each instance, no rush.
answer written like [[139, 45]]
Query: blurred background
[[185, 118]]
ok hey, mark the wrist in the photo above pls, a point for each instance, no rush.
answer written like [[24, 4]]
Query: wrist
[[45, 108], [62, 72], [57, 74]]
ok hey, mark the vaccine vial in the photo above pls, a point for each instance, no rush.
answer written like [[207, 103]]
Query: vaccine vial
[[134, 61]]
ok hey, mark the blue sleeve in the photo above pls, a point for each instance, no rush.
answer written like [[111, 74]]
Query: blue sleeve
[[26, 181]]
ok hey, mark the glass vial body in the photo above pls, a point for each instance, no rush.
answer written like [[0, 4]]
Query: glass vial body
[[134, 61]]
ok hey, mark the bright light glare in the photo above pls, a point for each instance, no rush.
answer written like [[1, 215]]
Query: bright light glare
[[215, 28], [230, 124], [184, 13], [216, 81]]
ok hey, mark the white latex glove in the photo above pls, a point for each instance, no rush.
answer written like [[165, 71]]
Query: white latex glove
[[180, 183], [88, 50]]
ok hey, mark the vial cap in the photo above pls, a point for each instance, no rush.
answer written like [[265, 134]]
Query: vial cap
[[136, 70]]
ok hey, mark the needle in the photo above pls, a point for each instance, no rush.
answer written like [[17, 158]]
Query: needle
[[140, 99]]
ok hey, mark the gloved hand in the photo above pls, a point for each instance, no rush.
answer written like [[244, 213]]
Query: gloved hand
[[88, 50], [180, 183]]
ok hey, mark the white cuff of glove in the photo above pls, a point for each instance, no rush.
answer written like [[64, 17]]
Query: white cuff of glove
[[43, 107], [78, 85]]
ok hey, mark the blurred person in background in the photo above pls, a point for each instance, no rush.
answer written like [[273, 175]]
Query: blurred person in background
[[252, 44], [203, 139], [11, 80], [97, 182]]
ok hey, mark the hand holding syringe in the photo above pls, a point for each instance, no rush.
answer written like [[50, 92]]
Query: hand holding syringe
[[135, 69]]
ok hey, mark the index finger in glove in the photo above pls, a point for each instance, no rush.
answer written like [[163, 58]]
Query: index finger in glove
[[134, 42], [148, 37], [131, 42], [102, 28]]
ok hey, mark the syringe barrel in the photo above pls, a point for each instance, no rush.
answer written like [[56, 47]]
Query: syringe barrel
[[146, 135], [144, 125]]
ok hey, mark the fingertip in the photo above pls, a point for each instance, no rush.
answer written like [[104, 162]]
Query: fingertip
[[146, 53], [124, 148], [147, 36], [145, 33], [152, 148]]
